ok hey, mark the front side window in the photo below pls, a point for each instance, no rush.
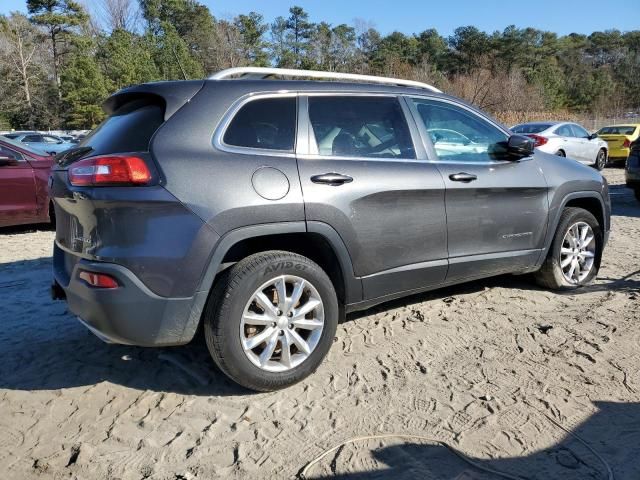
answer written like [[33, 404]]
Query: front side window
[[8, 153], [268, 123], [50, 139], [458, 134], [578, 131], [365, 127]]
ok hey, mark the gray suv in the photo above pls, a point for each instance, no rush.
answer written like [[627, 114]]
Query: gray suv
[[264, 210]]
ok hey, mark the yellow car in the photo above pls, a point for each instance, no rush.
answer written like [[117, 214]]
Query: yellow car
[[619, 138]]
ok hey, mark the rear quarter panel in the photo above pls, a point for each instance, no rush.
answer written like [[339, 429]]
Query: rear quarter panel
[[217, 185]]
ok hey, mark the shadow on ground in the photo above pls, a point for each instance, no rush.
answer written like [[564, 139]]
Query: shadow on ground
[[613, 433]]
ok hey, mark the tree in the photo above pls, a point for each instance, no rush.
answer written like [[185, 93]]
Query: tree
[[83, 87], [252, 29], [119, 14], [299, 31], [23, 59], [59, 18], [469, 45], [127, 59]]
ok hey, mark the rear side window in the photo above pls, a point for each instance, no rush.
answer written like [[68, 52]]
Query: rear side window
[[129, 129], [369, 127], [268, 123], [565, 131]]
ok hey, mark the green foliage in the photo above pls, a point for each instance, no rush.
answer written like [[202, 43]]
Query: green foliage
[[83, 87], [71, 66], [127, 59]]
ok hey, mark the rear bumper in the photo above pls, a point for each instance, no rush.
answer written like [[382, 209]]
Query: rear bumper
[[130, 314]]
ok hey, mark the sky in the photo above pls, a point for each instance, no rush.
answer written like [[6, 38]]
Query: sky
[[414, 16]]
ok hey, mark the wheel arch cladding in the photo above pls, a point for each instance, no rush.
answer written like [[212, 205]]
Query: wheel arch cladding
[[319, 242]]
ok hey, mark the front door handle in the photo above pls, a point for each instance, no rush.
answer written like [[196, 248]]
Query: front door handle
[[463, 177], [332, 178]]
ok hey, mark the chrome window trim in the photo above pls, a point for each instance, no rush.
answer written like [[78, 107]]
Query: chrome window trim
[[312, 153], [230, 114], [431, 151]]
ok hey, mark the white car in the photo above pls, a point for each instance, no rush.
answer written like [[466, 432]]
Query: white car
[[566, 139]]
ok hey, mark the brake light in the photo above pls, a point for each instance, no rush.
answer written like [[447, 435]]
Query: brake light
[[110, 170], [626, 143], [98, 280], [539, 139]]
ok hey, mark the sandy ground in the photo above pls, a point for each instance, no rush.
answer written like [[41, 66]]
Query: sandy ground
[[499, 369]]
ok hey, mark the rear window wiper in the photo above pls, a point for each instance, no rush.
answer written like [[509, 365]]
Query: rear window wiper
[[71, 155]]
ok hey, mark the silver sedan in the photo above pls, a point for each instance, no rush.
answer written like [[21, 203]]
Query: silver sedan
[[566, 140]]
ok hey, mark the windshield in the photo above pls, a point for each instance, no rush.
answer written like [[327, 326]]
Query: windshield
[[530, 128], [617, 130], [23, 146]]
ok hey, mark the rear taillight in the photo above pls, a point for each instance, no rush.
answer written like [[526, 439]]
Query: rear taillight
[[539, 139], [98, 280], [110, 170], [626, 143]]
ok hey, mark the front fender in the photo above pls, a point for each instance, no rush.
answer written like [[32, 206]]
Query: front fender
[[555, 211]]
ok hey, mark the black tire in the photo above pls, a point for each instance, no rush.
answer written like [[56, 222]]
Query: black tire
[[601, 159], [550, 274], [224, 311], [636, 191], [560, 153]]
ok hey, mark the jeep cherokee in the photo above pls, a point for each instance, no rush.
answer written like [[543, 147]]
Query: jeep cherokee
[[265, 209]]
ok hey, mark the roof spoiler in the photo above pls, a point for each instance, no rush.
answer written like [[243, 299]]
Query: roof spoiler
[[173, 94]]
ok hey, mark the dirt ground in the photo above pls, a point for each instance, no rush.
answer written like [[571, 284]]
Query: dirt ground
[[526, 382]]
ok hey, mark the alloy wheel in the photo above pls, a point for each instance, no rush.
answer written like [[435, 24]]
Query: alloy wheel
[[578, 252], [282, 323]]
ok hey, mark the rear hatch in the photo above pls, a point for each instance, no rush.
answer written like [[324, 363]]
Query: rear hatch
[[86, 215]]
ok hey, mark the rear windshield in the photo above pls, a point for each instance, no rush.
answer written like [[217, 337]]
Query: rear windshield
[[618, 130], [129, 129], [530, 128]]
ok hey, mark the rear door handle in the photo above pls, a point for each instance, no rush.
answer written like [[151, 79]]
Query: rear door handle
[[332, 178], [463, 177]]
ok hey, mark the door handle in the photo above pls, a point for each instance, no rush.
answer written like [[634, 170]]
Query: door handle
[[463, 177], [332, 178]]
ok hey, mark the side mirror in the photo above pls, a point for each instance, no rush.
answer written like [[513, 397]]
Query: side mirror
[[593, 136], [519, 146], [7, 161]]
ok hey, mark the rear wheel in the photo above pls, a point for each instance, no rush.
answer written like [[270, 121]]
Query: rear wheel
[[574, 257], [271, 320], [601, 159], [560, 153]]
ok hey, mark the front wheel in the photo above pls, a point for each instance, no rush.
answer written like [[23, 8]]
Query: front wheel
[[574, 257], [601, 159], [271, 320]]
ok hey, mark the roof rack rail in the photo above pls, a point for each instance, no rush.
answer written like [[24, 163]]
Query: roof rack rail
[[263, 72]]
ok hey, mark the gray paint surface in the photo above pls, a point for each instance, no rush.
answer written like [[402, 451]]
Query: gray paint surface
[[399, 227]]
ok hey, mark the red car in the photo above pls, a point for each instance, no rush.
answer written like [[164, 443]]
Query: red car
[[24, 194]]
